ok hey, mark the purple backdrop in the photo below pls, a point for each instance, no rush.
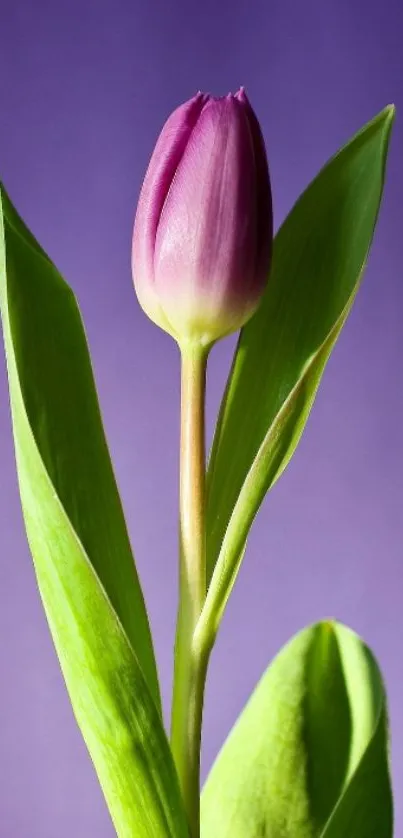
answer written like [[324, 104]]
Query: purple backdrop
[[84, 89]]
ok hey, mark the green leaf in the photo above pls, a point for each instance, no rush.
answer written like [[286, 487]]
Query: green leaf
[[78, 539], [308, 757], [318, 260]]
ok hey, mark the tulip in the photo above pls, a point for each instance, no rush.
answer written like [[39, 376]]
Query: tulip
[[203, 230], [201, 255]]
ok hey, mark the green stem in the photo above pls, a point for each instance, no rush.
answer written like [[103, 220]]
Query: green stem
[[190, 664]]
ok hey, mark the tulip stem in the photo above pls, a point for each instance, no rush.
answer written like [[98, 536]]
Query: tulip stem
[[190, 664]]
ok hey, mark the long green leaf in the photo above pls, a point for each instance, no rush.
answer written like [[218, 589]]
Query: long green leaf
[[308, 757], [318, 260], [78, 539]]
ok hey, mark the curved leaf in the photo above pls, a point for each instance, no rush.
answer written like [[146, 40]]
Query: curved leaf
[[319, 255], [79, 542], [308, 757]]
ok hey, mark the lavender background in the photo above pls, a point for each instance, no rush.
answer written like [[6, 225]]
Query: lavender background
[[84, 89]]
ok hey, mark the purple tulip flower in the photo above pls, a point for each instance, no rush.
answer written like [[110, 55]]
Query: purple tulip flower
[[203, 230]]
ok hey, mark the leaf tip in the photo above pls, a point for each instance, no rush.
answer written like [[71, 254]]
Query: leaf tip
[[328, 630], [389, 113]]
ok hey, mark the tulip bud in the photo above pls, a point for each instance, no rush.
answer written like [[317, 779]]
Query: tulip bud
[[203, 230]]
